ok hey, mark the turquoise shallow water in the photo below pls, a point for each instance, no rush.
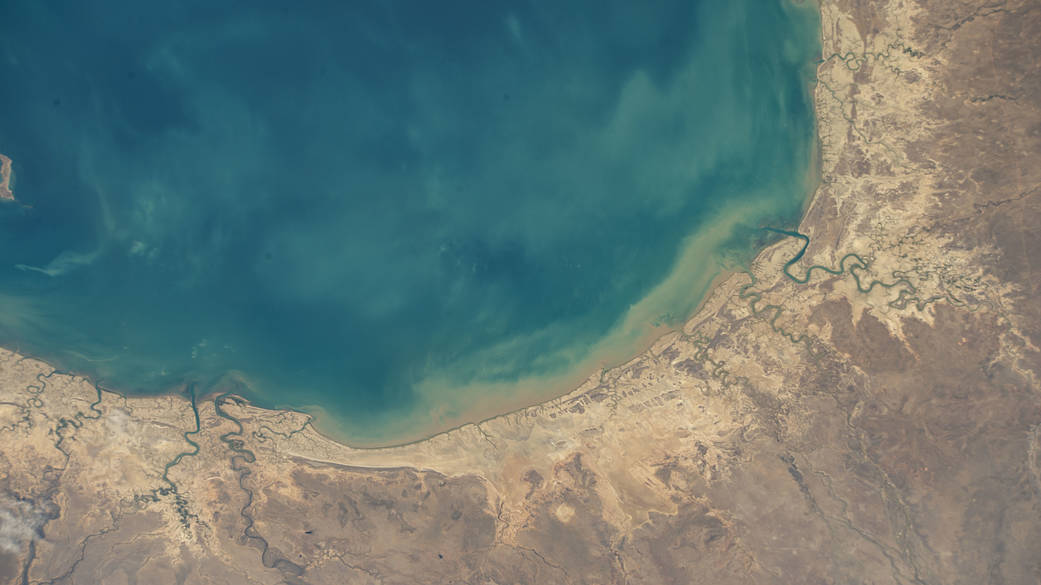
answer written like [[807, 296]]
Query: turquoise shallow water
[[402, 214]]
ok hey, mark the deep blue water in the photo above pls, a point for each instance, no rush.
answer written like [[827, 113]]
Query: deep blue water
[[379, 208]]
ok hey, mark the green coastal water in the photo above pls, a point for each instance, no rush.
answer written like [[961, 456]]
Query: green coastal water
[[400, 215]]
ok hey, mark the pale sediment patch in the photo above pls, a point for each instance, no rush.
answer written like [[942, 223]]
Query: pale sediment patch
[[64, 262]]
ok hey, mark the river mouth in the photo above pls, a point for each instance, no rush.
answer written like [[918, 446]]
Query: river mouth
[[403, 218]]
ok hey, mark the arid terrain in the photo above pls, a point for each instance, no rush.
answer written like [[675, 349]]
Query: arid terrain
[[869, 413]]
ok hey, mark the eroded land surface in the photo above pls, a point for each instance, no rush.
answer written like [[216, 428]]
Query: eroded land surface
[[878, 423]]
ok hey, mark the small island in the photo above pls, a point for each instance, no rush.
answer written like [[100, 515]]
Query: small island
[[5, 178]]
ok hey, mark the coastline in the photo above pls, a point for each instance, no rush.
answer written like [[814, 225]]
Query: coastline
[[476, 418], [487, 402], [577, 381], [595, 368], [506, 399], [799, 427]]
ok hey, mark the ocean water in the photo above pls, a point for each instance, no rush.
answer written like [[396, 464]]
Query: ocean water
[[403, 215]]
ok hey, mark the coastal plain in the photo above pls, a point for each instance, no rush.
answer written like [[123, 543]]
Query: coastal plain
[[862, 406]]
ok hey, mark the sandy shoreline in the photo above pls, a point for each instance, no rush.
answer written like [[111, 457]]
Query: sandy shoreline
[[486, 402], [314, 413], [481, 403], [489, 402]]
